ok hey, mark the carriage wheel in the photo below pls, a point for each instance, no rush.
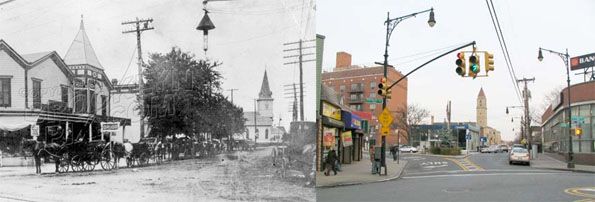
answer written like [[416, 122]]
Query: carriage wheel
[[76, 164], [64, 163], [107, 160], [89, 165]]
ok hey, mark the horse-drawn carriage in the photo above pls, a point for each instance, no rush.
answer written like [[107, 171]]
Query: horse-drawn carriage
[[84, 156], [146, 149]]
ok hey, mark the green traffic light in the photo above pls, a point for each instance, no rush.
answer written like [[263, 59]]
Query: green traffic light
[[474, 68]]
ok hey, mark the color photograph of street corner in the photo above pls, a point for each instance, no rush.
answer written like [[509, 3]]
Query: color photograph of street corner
[[421, 101], [128, 101]]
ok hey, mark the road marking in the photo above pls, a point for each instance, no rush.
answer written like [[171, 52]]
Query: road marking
[[475, 174], [495, 170], [588, 192], [466, 164]]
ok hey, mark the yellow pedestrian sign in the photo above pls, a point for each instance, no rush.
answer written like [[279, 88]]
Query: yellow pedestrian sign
[[384, 130], [385, 117]]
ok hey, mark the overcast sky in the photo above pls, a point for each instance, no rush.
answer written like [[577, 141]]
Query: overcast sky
[[248, 38], [357, 27]]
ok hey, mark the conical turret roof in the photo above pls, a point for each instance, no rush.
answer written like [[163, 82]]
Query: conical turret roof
[[265, 90], [81, 51], [481, 94]]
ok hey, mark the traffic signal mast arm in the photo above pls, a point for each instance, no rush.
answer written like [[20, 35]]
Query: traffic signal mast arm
[[432, 60]]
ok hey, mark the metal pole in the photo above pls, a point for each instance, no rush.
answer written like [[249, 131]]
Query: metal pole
[[385, 66], [570, 152]]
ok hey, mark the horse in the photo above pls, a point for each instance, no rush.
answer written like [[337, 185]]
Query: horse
[[43, 150]]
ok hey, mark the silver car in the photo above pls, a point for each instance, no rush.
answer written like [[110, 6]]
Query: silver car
[[519, 155]]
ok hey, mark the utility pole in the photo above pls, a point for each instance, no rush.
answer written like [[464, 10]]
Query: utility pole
[[527, 119], [138, 29], [300, 55], [231, 90]]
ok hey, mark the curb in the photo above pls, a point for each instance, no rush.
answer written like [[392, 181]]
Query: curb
[[566, 169], [360, 183]]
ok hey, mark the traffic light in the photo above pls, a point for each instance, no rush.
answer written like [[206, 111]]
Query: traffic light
[[473, 65], [578, 131], [383, 89], [489, 62], [460, 64]]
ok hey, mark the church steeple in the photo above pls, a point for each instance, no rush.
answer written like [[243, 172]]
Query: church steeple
[[80, 51], [265, 90]]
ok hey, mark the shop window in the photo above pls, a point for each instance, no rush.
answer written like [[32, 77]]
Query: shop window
[[342, 88], [80, 101], [4, 92], [372, 85], [93, 102], [64, 94], [36, 94], [104, 105]]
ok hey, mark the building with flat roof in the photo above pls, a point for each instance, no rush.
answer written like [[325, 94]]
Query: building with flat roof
[[358, 88]]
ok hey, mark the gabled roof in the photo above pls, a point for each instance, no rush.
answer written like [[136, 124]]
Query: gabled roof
[[265, 90], [29, 61], [81, 51]]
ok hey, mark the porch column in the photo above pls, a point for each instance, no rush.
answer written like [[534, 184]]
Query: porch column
[[90, 132], [67, 129]]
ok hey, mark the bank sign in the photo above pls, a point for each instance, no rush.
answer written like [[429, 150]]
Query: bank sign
[[583, 61]]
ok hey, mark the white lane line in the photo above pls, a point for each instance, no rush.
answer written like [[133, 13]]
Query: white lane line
[[475, 174]]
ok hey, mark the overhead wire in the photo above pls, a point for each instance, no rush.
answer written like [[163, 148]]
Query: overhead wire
[[504, 49]]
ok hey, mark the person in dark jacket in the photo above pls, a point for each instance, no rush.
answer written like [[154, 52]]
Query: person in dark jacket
[[37, 156], [331, 158]]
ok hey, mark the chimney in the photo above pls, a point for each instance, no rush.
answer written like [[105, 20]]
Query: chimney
[[343, 60], [114, 82]]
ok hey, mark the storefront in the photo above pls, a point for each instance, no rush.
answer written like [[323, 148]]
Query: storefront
[[352, 137], [555, 129], [332, 127]]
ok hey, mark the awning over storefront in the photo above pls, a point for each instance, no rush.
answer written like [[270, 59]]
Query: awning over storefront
[[332, 122], [12, 123], [351, 121]]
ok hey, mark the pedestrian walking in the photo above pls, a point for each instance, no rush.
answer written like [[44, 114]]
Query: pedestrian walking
[[331, 159], [393, 151]]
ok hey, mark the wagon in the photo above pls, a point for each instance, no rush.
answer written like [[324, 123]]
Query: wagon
[[84, 156]]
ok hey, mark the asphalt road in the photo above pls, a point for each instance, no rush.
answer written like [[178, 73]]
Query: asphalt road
[[479, 177]]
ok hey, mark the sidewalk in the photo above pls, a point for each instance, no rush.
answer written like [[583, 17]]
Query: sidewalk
[[546, 162], [360, 172]]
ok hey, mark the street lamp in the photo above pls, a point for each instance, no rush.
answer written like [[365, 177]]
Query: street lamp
[[390, 27], [205, 25], [564, 56]]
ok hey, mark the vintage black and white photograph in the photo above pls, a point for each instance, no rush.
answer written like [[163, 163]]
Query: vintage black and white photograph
[[181, 100]]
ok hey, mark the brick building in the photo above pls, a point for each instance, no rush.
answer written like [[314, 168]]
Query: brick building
[[358, 88]]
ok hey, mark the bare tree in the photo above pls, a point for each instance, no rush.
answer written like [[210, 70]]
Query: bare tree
[[545, 103], [411, 116]]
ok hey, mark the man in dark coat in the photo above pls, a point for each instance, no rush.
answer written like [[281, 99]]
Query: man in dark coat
[[331, 158]]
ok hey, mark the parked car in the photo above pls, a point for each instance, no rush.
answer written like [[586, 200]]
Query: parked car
[[488, 149], [502, 148], [409, 149], [519, 146], [519, 155]]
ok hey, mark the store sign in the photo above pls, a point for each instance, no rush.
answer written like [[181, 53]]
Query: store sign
[[346, 137], [328, 138], [331, 111], [34, 131], [110, 126], [355, 123], [583, 61]]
